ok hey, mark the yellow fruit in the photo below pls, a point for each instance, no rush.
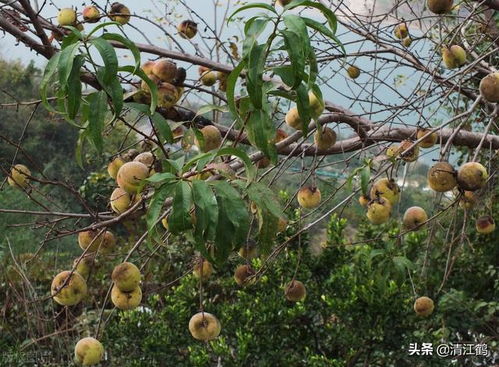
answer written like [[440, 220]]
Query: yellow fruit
[[414, 217], [407, 42], [66, 16], [120, 200], [309, 197], [119, 13], [19, 176], [131, 176], [126, 276], [295, 291], [165, 70], [392, 152], [386, 188], [364, 200], [89, 351], [167, 95], [453, 57], [203, 69], [472, 176], [293, 119], [68, 289], [187, 29], [353, 71], [325, 139], [467, 200], [485, 224], [154, 79], [204, 326], [379, 210], [208, 78], [146, 158], [203, 269], [84, 266], [316, 105], [412, 154], [424, 306], [90, 14], [401, 31], [429, 140], [114, 166], [442, 177], [148, 67], [440, 6], [126, 300], [242, 275], [164, 222], [212, 139], [489, 87], [104, 243], [108, 244]]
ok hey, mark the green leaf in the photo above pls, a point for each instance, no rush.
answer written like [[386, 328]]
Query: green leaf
[[65, 64], [233, 220], [254, 77], [261, 133], [208, 156], [319, 27], [161, 177], [269, 212], [174, 165], [74, 88], [264, 198], [113, 89], [250, 167], [70, 39], [365, 175], [286, 73], [303, 105], [253, 28], [267, 230], [180, 219], [282, 93], [108, 55], [296, 55], [328, 13], [250, 6], [296, 25], [314, 69], [126, 42], [231, 85], [79, 148], [211, 107], [206, 209], [97, 115], [156, 203], [49, 72]]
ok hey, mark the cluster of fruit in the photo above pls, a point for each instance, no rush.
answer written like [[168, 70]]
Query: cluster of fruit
[[324, 137], [70, 287], [442, 177], [68, 17]]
